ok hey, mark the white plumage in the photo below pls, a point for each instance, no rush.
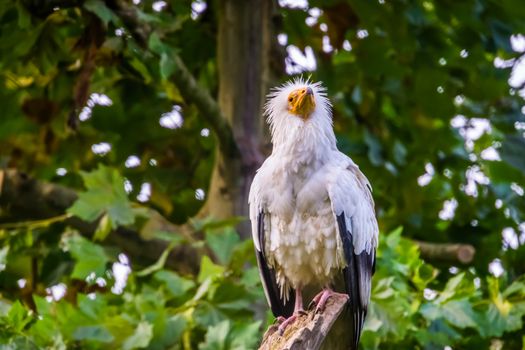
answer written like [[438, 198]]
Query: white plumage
[[299, 192]]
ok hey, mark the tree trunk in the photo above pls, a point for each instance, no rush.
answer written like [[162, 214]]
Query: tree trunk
[[243, 49]]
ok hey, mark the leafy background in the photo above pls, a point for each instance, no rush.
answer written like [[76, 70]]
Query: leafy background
[[100, 152]]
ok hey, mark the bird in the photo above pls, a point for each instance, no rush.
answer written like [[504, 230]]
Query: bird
[[311, 210]]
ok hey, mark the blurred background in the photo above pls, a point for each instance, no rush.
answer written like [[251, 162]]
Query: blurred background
[[130, 132]]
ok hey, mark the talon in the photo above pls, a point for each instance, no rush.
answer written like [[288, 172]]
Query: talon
[[321, 299], [315, 300], [280, 319], [322, 302], [286, 323]]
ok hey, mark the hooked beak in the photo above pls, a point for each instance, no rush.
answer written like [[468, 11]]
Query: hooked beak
[[303, 103]]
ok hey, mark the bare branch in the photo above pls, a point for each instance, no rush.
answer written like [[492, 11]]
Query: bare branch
[[446, 252], [209, 108]]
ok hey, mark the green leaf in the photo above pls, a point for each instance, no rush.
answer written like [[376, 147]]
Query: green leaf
[[459, 313], [222, 243], [229, 296], [43, 307], [209, 269], [18, 316], [147, 17], [512, 152], [45, 331], [209, 224], [142, 69], [517, 287], [175, 284], [450, 288], [216, 337], [167, 66], [245, 336], [170, 333], [99, 8], [103, 228], [94, 333], [251, 277], [496, 322], [156, 45], [168, 236], [141, 338], [105, 194], [502, 315], [89, 257], [203, 289], [388, 109], [207, 315], [383, 288], [24, 17]]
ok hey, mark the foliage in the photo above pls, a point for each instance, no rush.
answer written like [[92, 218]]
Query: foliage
[[411, 309], [418, 104], [105, 196], [215, 309], [157, 309]]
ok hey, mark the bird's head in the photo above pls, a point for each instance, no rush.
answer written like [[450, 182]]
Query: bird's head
[[301, 102], [296, 104], [297, 99]]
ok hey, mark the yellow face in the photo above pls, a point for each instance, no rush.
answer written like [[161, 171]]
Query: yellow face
[[301, 102]]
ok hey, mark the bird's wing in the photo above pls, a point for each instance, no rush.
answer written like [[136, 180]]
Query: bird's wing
[[258, 217], [353, 207]]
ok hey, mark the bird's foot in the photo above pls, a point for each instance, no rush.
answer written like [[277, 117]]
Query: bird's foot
[[320, 299], [280, 319], [285, 322]]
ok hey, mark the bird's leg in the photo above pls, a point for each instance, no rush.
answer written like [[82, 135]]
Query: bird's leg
[[298, 310], [320, 299], [298, 302]]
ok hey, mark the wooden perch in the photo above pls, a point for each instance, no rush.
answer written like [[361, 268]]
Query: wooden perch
[[446, 252], [308, 331]]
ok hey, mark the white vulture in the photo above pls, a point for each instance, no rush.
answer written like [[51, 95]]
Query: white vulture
[[311, 210]]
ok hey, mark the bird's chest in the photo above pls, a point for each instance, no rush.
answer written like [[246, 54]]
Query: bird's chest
[[301, 239], [295, 190], [305, 250]]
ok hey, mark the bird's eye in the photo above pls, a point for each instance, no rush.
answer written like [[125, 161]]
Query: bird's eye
[[290, 99]]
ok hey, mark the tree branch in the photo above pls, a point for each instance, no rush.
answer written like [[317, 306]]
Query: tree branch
[[446, 252], [23, 197], [308, 331], [190, 90], [209, 108]]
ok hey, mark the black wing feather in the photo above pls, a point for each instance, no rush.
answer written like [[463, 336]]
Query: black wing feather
[[277, 304], [358, 276]]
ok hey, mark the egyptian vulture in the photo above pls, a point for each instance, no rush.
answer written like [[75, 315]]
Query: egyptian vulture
[[311, 210]]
